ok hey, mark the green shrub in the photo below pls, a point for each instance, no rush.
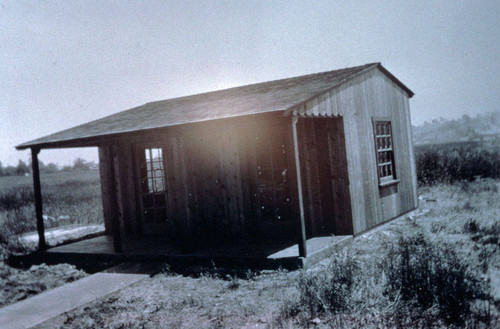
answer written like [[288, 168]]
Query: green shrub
[[427, 275], [328, 290], [408, 270], [447, 164], [16, 198]]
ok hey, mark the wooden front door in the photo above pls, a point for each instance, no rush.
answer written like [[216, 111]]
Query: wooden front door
[[272, 190], [153, 190]]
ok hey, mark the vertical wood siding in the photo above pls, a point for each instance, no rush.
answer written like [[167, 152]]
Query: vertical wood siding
[[324, 176], [370, 95], [211, 178], [105, 157], [209, 171]]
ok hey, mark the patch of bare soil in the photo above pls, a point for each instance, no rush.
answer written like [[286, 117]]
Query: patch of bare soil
[[16, 285], [174, 301]]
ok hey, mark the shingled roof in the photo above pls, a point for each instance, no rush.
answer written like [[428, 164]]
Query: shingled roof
[[278, 95]]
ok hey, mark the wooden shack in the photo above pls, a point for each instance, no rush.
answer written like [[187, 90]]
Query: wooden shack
[[317, 155]]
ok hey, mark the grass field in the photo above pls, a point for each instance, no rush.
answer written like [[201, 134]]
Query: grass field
[[448, 163], [68, 198]]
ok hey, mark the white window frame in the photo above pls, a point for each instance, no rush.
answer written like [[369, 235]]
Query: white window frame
[[384, 151]]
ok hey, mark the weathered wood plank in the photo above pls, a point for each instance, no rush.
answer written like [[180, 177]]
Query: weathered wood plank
[[370, 95], [117, 204], [106, 188], [38, 199]]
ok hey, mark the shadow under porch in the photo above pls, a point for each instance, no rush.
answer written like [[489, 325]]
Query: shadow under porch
[[158, 250]]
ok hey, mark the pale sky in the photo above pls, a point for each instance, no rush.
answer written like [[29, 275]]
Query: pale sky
[[64, 63]]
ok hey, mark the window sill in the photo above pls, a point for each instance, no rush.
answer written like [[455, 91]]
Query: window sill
[[388, 183]]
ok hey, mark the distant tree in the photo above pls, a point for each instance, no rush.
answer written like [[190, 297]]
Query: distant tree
[[41, 165], [66, 168], [1, 169], [22, 168], [51, 168], [9, 171], [81, 164]]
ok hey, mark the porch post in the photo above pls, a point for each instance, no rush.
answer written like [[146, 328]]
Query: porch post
[[38, 199], [115, 219], [299, 198]]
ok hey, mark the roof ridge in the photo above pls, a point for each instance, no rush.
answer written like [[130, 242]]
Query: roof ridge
[[258, 83]]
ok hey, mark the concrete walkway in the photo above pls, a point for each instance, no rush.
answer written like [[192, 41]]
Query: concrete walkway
[[57, 235], [44, 306]]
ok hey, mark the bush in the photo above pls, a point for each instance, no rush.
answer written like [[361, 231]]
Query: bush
[[426, 275], [16, 198], [447, 164], [328, 290], [418, 282]]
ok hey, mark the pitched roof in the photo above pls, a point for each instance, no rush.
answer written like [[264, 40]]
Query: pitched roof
[[278, 95]]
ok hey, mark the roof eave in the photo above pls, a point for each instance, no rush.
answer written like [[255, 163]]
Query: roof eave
[[396, 80], [98, 140]]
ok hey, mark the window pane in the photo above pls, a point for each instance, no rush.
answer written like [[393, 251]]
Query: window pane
[[153, 178], [159, 184], [383, 138]]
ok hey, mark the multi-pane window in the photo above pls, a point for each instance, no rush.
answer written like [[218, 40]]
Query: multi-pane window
[[385, 151], [154, 169], [153, 185]]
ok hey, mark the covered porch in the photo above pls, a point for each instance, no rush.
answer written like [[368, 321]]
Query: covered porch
[[147, 249], [194, 199]]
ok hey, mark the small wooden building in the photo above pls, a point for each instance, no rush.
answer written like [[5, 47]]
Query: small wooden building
[[316, 155]]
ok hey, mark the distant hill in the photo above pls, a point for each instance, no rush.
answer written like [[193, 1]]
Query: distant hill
[[483, 127]]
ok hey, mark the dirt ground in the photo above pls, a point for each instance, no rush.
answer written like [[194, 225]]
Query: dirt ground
[[18, 284]]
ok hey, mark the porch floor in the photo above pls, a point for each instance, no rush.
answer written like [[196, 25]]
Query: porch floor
[[148, 249]]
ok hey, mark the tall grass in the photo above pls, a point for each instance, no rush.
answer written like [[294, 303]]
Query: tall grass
[[448, 164], [329, 290], [427, 275], [68, 198], [432, 271], [418, 282]]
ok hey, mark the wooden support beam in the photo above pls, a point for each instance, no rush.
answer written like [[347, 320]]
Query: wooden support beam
[[298, 193], [38, 199], [115, 219]]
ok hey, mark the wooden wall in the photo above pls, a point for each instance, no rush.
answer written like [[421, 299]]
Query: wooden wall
[[107, 190], [369, 95], [211, 191], [324, 176]]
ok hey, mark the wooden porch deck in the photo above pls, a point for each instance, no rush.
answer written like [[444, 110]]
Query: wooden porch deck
[[147, 249]]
